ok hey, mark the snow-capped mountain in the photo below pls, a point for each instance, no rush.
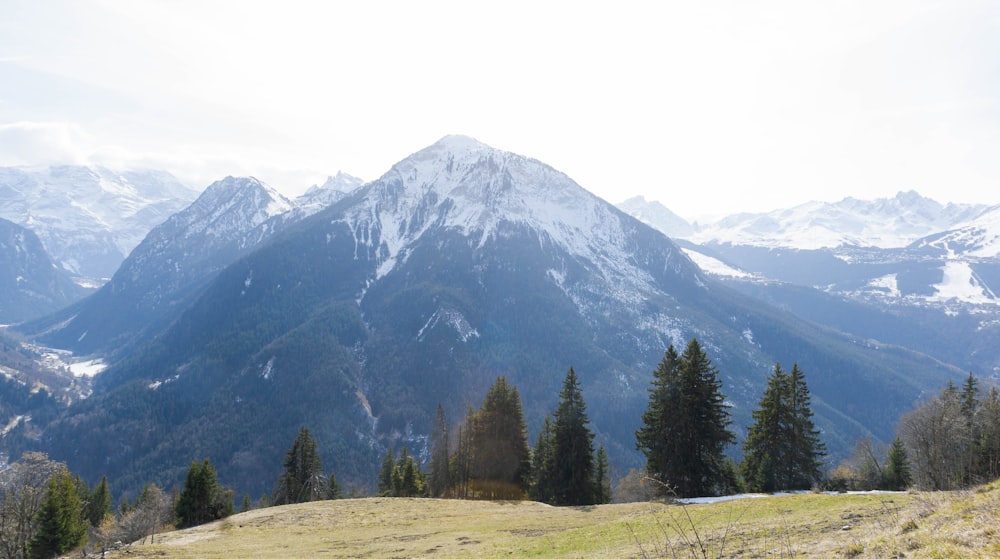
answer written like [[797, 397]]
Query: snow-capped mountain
[[882, 223], [30, 284], [320, 197], [978, 238], [462, 185], [460, 264], [907, 270], [89, 218], [230, 218], [657, 216]]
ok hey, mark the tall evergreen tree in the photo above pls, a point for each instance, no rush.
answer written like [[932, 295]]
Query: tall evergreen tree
[[62, 519], [501, 459], [970, 397], [782, 447], [686, 426], [543, 464], [656, 438], [302, 479], [806, 447], [384, 487], [202, 499], [602, 477], [439, 480], [987, 448], [407, 480], [573, 447], [461, 461], [99, 503], [897, 476], [333, 490]]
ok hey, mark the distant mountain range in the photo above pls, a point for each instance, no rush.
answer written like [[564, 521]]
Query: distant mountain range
[[89, 218], [881, 223], [356, 309], [30, 284], [906, 271]]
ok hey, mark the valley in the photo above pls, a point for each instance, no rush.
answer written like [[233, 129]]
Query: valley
[[357, 308]]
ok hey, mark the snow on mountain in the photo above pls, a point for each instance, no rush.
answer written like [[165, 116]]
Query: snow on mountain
[[884, 223], [230, 218], [976, 238], [231, 205], [319, 197], [657, 216], [716, 267], [89, 218], [30, 284], [463, 184], [960, 283]]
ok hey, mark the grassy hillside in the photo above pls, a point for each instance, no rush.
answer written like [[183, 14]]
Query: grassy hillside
[[957, 524]]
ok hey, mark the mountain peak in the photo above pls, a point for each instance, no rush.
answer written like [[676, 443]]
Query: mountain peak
[[460, 143], [485, 193], [334, 189]]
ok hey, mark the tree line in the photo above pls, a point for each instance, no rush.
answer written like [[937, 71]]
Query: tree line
[[684, 436], [46, 511], [954, 440], [685, 431], [951, 441]]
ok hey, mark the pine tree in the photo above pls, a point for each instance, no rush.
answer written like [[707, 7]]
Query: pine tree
[[202, 499], [782, 447], [543, 464], [987, 448], [407, 479], [333, 490], [573, 447], [500, 457], [897, 475], [99, 503], [969, 397], [461, 461], [686, 426], [384, 487], [806, 447], [302, 479], [656, 438], [62, 519], [602, 477], [439, 480]]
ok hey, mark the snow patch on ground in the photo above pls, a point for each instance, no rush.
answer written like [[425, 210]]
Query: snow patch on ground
[[88, 368], [741, 496]]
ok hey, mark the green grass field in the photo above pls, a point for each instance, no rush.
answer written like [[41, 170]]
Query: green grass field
[[939, 525]]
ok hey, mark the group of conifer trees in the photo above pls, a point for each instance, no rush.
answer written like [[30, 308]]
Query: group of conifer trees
[[492, 460], [685, 431], [48, 511]]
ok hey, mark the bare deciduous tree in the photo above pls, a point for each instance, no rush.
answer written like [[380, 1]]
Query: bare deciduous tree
[[938, 437], [22, 490]]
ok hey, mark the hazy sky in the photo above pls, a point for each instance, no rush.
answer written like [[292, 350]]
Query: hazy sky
[[709, 107]]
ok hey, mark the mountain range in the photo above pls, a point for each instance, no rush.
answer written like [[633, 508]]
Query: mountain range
[[30, 283], [89, 218], [906, 271], [245, 316]]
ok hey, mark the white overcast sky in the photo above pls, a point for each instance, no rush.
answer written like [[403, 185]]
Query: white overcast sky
[[709, 107]]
